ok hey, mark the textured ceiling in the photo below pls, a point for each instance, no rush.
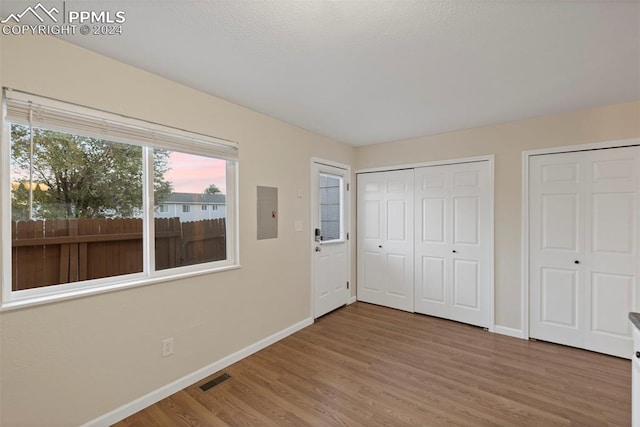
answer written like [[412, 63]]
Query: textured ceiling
[[364, 72]]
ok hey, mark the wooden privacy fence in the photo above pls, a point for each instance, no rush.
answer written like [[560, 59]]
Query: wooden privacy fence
[[56, 251]]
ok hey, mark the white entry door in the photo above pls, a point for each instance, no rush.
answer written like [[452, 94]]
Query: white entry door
[[584, 237], [385, 238], [330, 257], [453, 257]]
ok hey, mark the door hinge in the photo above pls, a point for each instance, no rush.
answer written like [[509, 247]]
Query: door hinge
[[347, 285], [347, 186], [347, 236]]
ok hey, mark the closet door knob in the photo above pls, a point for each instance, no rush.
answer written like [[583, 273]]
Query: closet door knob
[[454, 251], [380, 246], [576, 262], [638, 354]]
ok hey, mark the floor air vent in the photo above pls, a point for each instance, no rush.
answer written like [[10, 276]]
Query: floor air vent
[[214, 382]]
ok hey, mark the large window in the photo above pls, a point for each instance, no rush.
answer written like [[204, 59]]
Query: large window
[[85, 196]]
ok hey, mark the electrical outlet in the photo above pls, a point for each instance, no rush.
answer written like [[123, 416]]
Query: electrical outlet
[[167, 347]]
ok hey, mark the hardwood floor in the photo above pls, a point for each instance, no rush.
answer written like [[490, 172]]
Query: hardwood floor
[[368, 365]]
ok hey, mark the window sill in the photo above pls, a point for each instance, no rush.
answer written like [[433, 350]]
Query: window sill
[[101, 289]]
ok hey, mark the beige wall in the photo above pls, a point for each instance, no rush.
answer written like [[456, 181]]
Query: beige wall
[[69, 362], [506, 142]]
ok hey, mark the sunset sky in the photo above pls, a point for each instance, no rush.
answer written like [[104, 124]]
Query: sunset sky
[[188, 174], [192, 174]]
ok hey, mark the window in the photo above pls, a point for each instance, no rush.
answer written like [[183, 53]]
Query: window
[[76, 182], [204, 207], [331, 210]]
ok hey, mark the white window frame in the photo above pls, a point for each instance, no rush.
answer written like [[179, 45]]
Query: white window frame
[[190, 143]]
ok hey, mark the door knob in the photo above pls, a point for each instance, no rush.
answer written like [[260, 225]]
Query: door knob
[[576, 262], [318, 249], [380, 246], [454, 251], [638, 354]]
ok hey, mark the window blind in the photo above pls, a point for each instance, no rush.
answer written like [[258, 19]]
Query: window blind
[[65, 117]]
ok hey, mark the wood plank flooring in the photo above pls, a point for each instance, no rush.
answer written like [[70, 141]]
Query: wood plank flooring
[[365, 365]]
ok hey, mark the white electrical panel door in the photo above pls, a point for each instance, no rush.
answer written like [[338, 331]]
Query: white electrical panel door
[[583, 236], [385, 238], [453, 242]]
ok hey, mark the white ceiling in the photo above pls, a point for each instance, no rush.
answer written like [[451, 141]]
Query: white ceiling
[[364, 72]]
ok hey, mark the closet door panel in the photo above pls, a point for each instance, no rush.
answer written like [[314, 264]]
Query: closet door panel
[[612, 184], [556, 240], [453, 242], [385, 239], [471, 238], [433, 281], [584, 238]]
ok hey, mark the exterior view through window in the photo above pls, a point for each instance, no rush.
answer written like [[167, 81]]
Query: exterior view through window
[[76, 208], [192, 234], [79, 210]]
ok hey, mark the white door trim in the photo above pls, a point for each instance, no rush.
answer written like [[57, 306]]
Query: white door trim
[[491, 159], [524, 231], [313, 195]]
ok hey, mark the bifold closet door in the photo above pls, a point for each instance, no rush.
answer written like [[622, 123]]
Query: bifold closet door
[[453, 242], [385, 238], [583, 237]]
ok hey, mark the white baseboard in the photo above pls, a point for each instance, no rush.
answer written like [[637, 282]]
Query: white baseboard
[[351, 300], [166, 391], [511, 332]]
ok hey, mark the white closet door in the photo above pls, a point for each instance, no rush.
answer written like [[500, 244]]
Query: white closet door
[[385, 239], [612, 263], [453, 242], [584, 238], [433, 237], [556, 232]]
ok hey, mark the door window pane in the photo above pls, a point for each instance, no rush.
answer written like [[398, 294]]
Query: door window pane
[[331, 211]]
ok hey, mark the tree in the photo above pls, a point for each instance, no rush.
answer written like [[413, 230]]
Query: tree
[[161, 188], [83, 177], [212, 189]]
